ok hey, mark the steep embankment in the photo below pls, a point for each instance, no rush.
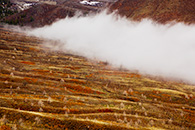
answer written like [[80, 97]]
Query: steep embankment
[[43, 89], [159, 10]]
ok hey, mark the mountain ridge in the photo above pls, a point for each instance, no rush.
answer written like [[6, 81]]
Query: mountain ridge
[[41, 14], [161, 11]]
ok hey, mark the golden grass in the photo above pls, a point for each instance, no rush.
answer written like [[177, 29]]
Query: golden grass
[[65, 91]]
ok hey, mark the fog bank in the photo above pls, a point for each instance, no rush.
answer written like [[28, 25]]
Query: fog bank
[[158, 50]]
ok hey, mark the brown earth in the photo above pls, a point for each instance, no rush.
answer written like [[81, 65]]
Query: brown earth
[[162, 11], [42, 89]]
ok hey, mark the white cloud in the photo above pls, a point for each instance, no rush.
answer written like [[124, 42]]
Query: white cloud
[[150, 48]]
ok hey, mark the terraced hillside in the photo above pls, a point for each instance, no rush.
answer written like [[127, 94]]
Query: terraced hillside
[[41, 89]]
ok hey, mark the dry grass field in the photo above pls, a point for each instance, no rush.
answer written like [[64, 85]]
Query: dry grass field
[[161, 11], [41, 89]]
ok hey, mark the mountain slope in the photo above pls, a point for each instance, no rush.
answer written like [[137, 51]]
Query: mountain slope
[[39, 15], [43, 89], [160, 10], [45, 14]]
